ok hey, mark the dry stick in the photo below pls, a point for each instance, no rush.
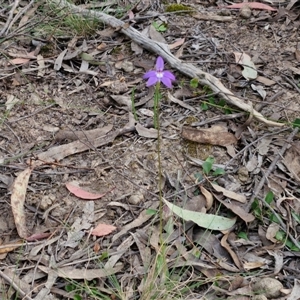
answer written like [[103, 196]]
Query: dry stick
[[10, 17], [251, 144], [19, 14], [282, 224], [163, 50], [14, 285], [271, 167]]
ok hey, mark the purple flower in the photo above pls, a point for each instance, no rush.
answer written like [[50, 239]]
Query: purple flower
[[159, 75]]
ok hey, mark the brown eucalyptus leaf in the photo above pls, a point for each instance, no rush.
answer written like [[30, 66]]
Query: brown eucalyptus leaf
[[229, 194], [230, 251], [208, 196], [17, 202], [88, 274], [208, 136]]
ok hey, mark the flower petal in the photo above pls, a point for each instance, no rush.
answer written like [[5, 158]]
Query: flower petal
[[159, 64], [170, 75], [151, 81], [167, 82], [149, 74]]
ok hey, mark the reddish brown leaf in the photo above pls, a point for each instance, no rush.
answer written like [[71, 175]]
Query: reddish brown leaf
[[254, 5], [97, 247], [82, 194], [38, 236], [103, 229]]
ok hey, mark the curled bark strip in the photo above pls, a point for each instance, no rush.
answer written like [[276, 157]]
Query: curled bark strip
[[163, 50]]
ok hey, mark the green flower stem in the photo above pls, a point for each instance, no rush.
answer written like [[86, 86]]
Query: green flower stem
[[157, 97]]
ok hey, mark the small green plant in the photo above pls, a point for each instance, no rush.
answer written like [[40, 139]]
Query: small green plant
[[211, 100], [243, 235], [296, 123], [208, 165], [73, 288], [258, 210], [160, 27], [281, 236]]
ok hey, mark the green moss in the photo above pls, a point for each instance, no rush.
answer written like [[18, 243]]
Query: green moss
[[178, 7]]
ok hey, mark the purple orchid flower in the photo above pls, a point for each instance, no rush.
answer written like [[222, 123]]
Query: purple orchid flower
[[159, 75]]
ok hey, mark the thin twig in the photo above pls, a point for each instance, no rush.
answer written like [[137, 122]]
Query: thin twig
[[281, 222], [32, 114], [271, 167], [14, 285], [218, 118], [251, 144], [10, 17], [19, 14]]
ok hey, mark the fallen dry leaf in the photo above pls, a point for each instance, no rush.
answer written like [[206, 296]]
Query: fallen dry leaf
[[181, 103], [151, 133], [155, 35], [271, 232], [210, 243], [270, 287], [234, 257], [88, 274], [249, 72], [278, 256], [176, 44], [254, 5], [292, 160], [38, 236], [59, 152], [266, 81], [122, 248], [236, 207], [17, 202], [208, 197], [10, 247], [82, 194], [19, 61], [212, 136], [229, 194], [87, 136], [59, 60], [103, 229]]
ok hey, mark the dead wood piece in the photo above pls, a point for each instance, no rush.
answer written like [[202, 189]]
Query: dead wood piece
[[163, 50]]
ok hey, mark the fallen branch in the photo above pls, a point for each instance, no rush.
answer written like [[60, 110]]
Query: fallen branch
[[162, 49]]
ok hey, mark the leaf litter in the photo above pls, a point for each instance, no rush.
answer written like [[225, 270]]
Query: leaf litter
[[91, 81]]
